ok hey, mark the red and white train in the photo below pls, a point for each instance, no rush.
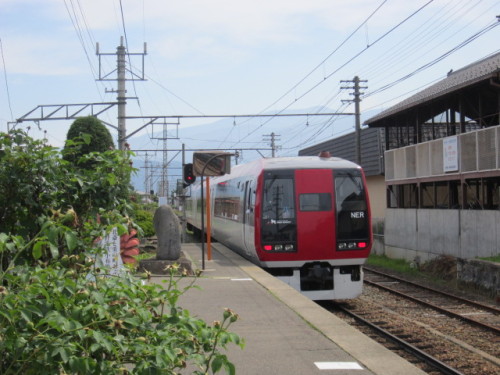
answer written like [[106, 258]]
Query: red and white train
[[306, 220]]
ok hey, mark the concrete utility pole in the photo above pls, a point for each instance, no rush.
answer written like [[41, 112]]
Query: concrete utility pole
[[272, 138], [121, 91], [357, 113]]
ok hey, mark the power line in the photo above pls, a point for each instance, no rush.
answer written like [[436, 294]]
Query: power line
[[78, 30], [346, 63], [326, 58], [173, 94], [426, 43], [435, 61], [6, 81], [128, 56], [311, 72]]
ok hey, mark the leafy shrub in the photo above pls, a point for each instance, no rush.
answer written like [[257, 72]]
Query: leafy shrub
[[58, 320], [59, 312], [39, 187], [144, 219], [99, 139]]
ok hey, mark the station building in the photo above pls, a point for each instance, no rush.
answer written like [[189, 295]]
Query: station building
[[442, 166]]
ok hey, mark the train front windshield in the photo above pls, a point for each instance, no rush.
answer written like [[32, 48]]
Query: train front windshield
[[351, 207], [278, 208]]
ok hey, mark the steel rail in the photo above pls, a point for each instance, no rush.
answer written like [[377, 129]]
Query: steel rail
[[492, 309], [435, 307], [427, 358]]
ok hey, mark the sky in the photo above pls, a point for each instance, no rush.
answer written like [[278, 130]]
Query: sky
[[235, 57]]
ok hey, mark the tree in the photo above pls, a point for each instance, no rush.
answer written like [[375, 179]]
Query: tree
[[100, 139]]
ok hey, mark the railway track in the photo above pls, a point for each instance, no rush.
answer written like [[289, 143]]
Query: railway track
[[472, 312], [439, 332], [432, 363]]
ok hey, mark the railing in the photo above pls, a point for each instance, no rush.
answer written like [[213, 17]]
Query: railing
[[475, 151]]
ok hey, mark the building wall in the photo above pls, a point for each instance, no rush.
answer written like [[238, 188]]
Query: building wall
[[376, 192], [428, 233], [372, 149]]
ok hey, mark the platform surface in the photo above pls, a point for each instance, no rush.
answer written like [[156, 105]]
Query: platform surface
[[285, 332]]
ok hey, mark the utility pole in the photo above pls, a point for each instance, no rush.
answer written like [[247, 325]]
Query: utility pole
[[164, 185], [357, 113], [121, 91], [272, 138], [147, 183]]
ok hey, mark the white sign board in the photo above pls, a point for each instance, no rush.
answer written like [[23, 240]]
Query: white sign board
[[111, 258], [450, 154]]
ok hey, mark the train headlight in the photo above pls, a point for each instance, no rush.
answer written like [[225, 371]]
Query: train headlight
[[342, 245], [289, 247], [278, 247], [351, 245]]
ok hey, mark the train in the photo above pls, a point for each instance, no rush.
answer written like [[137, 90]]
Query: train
[[306, 220]]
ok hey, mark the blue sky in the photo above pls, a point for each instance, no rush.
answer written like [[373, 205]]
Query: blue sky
[[234, 57]]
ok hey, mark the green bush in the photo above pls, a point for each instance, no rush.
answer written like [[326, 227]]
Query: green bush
[[58, 320], [60, 312], [98, 139], [144, 219]]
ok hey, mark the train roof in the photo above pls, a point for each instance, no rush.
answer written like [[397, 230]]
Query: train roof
[[293, 162], [307, 162]]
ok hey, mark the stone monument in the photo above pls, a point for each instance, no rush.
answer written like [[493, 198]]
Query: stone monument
[[168, 251]]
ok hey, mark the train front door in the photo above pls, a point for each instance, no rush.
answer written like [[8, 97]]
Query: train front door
[[249, 217], [315, 213]]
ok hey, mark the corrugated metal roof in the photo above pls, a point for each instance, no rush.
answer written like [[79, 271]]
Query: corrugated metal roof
[[466, 76]]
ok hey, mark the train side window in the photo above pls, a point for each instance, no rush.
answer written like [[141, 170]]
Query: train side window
[[315, 202]]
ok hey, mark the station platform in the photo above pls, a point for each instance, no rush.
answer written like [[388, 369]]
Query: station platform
[[284, 331]]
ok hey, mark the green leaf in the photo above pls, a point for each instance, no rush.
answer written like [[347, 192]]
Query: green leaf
[[230, 369], [87, 138], [71, 240], [217, 364], [54, 251], [62, 352], [111, 179], [38, 249], [52, 234]]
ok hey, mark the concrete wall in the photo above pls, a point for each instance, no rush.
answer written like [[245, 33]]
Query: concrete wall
[[377, 193], [411, 233]]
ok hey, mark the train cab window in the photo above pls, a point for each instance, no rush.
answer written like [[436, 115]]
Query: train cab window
[[278, 208], [278, 198], [315, 202], [352, 211]]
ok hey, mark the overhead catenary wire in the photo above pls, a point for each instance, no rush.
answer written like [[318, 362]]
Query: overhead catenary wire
[[6, 80], [435, 61], [384, 35], [326, 58], [420, 49], [313, 70], [79, 33], [411, 44]]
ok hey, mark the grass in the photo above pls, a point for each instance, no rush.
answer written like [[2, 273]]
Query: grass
[[134, 266], [399, 265], [495, 259]]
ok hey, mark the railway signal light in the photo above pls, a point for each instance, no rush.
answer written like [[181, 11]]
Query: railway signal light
[[189, 176]]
